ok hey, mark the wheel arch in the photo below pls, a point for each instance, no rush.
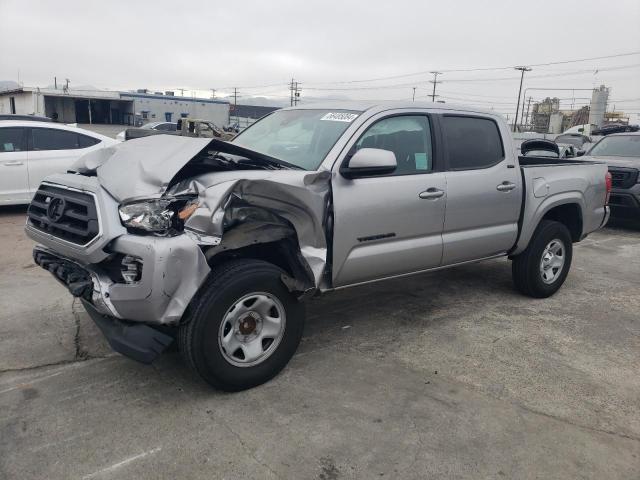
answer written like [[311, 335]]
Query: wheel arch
[[567, 208], [275, 242]]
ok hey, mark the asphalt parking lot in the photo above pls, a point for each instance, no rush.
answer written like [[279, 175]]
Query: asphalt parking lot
[[445, 375]]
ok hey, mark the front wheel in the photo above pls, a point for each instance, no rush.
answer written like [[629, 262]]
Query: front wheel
[[243, 326], [542, 268]]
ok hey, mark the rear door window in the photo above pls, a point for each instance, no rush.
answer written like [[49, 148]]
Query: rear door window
[[51, 139], [85, 141], [472, 142], [12, 139]]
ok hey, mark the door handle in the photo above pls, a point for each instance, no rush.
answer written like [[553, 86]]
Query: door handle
[[13, 163], [506, 187], [431, 193]]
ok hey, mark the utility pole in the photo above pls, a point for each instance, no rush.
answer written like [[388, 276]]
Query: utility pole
[[435, 82], [181, 91], [213, 93], [522, 70], [527, 117], [294, 90], [296, 96], [235, 97], [414, 94]]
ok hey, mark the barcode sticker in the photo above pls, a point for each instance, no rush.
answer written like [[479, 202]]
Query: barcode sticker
[[340, 117]]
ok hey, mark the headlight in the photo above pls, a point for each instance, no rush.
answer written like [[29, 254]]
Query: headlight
[[161, 215]]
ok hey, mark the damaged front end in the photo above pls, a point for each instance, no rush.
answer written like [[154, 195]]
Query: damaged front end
[[169, 209]]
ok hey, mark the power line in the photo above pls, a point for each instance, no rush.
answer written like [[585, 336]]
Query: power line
[[463, 80], [479, 69]]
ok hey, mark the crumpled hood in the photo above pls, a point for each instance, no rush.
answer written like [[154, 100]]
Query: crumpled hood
[[145, 167], [627, 162], [142, 167]]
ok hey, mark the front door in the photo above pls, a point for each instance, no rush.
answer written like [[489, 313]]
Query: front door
[[14, 176], [392, 224], [484, 190]]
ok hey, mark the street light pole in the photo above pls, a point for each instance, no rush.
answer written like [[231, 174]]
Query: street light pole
[[522, 69]]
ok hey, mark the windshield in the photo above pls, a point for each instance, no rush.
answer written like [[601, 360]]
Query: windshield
[[299, 137], [622, 146]]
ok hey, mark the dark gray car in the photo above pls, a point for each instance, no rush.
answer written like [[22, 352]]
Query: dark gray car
[[621, 153]]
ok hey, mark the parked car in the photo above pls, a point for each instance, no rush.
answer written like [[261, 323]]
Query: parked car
[[621, 152], [157, 126], [615, 128], [581, 142], [15, 116], [30, 151], [216, 244]]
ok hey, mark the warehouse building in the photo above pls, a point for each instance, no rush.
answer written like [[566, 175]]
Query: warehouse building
[[89, 106]]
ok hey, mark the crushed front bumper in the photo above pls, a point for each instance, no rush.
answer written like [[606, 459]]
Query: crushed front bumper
[[172, 270]]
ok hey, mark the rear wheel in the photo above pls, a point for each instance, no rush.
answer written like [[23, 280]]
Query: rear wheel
[[243, 326], [542, 268]]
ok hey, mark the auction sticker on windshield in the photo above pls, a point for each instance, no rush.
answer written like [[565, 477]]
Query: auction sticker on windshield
[[340, 117]]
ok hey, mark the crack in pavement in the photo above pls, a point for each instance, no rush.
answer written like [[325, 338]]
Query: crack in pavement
[[250, 452], [573, 424]]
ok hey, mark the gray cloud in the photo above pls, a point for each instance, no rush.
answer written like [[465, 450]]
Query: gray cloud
[[199, 45]]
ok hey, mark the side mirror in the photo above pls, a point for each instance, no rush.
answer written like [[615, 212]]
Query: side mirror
[[580, 153], [368, 162]]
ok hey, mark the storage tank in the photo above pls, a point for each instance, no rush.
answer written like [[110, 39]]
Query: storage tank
[[599, 99], [555, 122]]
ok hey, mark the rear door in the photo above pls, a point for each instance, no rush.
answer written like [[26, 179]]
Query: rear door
[[54, 151], [387, 225], [484, 189], [14, 175]]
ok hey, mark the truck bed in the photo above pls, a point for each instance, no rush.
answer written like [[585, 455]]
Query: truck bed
[[580, 182]]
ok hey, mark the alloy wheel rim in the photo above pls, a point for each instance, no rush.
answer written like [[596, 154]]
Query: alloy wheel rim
[[552, 261], [251, 329]]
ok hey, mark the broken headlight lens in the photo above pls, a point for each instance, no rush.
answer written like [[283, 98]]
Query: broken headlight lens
[[160, 215]]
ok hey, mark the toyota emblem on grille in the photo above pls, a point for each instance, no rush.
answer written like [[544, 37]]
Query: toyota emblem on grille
[[55, 210]]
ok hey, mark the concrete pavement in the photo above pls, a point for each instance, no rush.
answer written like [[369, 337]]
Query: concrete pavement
[[445, 375]]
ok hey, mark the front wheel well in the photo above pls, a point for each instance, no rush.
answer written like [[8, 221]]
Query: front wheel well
[[570, 215], [284, 253]]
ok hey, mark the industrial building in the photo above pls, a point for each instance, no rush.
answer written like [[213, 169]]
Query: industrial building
[[547, 117], [68, 105], [244, 115]]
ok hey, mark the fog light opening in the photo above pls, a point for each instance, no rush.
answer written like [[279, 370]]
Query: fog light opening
[[131, 269]]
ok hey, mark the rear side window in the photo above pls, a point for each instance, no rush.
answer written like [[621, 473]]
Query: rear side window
[[12, 140], [85, 141], [472, 142], [50, 139]]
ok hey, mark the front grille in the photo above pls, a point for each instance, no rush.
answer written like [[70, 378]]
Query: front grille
[[623, 177], [65, 214]]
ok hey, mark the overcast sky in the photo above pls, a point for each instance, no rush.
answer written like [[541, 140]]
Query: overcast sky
[[259, 45]]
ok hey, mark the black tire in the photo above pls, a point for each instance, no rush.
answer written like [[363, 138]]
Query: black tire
[[526, 272], [198, 335]]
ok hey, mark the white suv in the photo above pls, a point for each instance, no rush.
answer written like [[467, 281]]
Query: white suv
[[29, 151]]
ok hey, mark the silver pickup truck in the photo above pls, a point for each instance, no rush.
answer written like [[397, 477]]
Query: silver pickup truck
[[217, 244]]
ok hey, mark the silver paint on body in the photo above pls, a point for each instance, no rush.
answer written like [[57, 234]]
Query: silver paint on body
[[419, 222]]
